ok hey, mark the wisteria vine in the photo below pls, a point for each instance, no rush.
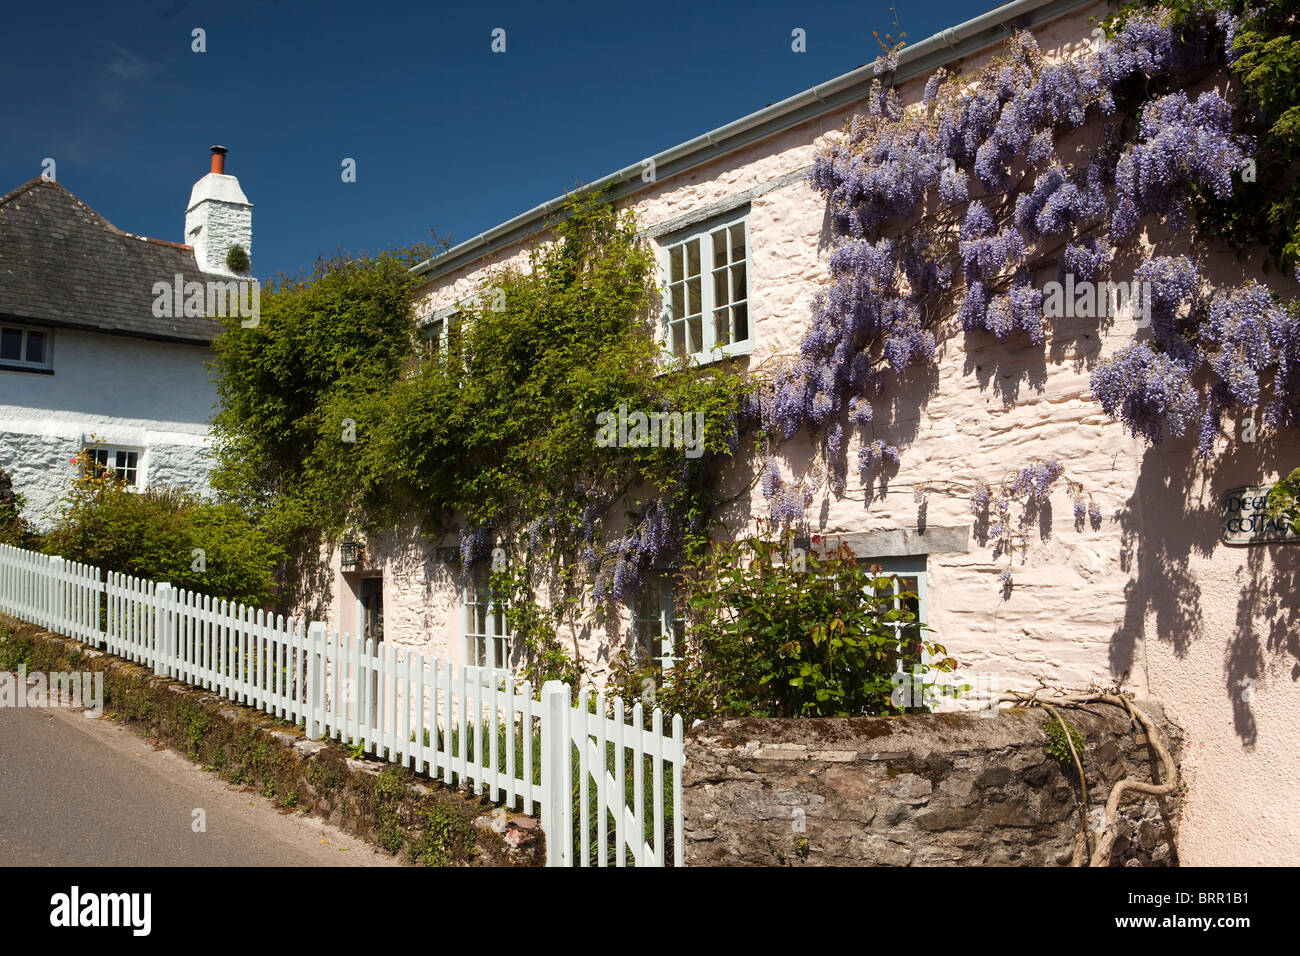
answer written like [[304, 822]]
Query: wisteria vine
[[952, 210]]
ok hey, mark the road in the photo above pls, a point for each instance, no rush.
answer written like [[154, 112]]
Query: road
[[79, 791]]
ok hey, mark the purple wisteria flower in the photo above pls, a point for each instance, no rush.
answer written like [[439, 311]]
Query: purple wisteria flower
[[1148, 391], [1182, 145]]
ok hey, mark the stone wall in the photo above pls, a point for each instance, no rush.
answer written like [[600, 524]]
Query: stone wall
[[920, 790]]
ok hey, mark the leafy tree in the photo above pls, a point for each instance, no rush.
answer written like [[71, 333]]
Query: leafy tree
[[325, 348], [332, 418]]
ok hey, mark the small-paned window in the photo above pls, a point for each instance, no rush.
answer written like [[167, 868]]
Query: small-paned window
[[124, 462], [706, 292]]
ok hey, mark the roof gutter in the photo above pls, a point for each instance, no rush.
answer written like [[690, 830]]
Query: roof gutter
[[921, 58]]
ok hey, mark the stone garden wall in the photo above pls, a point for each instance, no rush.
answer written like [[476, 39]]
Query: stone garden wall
[[930, 789]]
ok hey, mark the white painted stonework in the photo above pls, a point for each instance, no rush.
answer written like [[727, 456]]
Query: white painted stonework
[[153, 396], [218, 216], [1151, 600]]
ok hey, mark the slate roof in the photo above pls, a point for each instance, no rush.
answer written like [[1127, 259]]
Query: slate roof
[[63, 264]]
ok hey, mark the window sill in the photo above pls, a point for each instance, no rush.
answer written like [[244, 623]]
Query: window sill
[[30, 369], [719, 354]]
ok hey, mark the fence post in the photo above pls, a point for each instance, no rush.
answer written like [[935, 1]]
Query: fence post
[[556, 783], [53, 605], [315, 702], [161, 627]]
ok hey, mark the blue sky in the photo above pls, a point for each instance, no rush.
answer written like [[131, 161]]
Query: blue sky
[[446, 134]]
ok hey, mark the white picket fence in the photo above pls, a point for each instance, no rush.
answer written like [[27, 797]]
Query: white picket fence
[[608, 788]]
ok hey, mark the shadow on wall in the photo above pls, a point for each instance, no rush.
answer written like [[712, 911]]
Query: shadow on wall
[[1171, 530], [309, 575]]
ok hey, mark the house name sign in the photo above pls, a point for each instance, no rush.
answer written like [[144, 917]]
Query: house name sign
[[1246, 520]]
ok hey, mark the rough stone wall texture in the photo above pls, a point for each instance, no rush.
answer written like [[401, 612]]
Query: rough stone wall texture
[[919, 790], [153, 396], [1149, 597], [221, 225]]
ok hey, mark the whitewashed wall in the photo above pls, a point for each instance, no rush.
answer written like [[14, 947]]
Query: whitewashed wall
[[1149, 600], [155, 396]]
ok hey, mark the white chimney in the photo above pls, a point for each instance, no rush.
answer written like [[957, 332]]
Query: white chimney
[[219, 216]]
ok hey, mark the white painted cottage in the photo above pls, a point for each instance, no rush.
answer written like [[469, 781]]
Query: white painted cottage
[[1149, 595], [91, 349]]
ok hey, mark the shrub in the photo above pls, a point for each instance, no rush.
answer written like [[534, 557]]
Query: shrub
[[812, 636], [165, 534], [237, 259], [14, 528], [1284, 500]]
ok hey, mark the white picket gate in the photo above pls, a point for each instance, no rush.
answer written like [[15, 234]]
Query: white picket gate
[[468, 726]]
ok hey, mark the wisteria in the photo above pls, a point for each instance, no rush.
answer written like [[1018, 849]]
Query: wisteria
[[475, 542], [953, 209], [875, 452], [1240, 327], [875, 316], [1182, 145], [1085, 258], [625, 559], [1030, 488], [1148, 391]]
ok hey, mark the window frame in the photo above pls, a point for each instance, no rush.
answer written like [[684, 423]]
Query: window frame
[[114, 450], [22, 364], [710, 351], [496, 636], [671, 623]]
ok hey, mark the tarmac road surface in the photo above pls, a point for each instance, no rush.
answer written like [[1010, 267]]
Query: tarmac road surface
[[88, 791]]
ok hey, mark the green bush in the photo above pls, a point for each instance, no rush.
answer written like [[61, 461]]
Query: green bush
[[165, 534], [772, 635], [14, 528], [237, 259], [1284, 500]]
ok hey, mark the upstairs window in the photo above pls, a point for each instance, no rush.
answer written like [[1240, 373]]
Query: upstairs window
[[442, 335], [433, 340], [24, 349], [706, 292]]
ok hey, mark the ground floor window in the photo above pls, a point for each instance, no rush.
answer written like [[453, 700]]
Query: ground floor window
[[123, 462], [657, 623], [907, 577], [487, 631]]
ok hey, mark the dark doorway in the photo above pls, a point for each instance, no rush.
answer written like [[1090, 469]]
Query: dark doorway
[[372, 609]]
